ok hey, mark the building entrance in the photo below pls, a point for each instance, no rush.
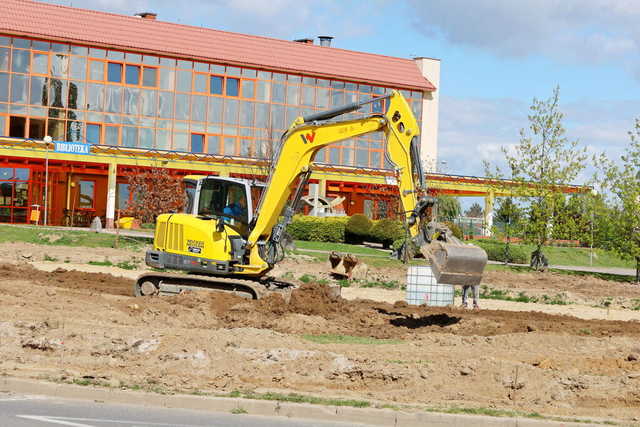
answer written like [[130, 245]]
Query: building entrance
[[15, 185]]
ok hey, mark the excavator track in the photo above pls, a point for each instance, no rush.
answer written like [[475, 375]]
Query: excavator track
[[158, 283]]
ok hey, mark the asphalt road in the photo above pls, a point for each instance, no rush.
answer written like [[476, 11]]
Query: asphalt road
[[38, 411]]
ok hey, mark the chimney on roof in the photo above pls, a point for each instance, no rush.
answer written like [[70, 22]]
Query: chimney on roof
[[325, 41], [304, 41], [147, 15]]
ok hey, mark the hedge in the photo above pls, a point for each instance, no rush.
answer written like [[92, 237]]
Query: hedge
[[387, 231], [496, 251], [357, 229], [330, 229]]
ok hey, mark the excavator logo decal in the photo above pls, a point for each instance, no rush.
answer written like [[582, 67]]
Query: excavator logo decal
[[308, 137]]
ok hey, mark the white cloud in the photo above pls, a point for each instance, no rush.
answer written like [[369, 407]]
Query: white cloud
[[475, 129], [585, 31]]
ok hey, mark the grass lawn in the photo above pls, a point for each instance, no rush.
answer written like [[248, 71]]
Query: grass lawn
[[580, 257], [340, 247], [58, 237]]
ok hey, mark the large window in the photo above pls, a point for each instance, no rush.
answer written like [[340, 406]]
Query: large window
[[114, 72], [124, 98], [14, 194], [132, 75], [17, 126], [197, 143], [86, 194], [94, 132], [122, 195]]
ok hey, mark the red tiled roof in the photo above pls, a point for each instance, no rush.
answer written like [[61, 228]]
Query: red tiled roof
[[48, 21]]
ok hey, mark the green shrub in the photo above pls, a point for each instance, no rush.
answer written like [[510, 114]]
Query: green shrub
[[330, 229], [357, 228], [496, 251], [455, 229], [386, 231]]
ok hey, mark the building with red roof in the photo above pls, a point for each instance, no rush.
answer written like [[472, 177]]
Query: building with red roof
[[139, 92]]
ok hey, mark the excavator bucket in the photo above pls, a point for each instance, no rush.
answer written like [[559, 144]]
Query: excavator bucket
[[455, 263], [342, 265]]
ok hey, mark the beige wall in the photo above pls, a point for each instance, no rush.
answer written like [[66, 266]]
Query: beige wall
[[430, 69]]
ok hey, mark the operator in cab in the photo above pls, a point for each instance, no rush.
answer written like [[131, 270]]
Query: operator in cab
[[235, 212]]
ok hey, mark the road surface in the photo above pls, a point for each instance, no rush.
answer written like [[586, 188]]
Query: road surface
[[40, 411]]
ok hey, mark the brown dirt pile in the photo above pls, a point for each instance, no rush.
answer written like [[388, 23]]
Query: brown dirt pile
[[311, 310], [70, 279]]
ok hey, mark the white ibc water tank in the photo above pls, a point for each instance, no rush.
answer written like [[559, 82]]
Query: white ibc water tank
[[422, 288]]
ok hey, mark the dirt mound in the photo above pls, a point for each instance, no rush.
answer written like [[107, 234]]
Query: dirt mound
[[311, 309], [71, 279]]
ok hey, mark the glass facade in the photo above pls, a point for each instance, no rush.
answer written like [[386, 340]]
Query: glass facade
[[76, 93]]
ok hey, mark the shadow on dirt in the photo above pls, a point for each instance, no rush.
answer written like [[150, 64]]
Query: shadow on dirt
[[441, 320]]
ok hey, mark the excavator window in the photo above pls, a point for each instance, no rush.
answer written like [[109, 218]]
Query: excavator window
[[226, 199], [190, 193]]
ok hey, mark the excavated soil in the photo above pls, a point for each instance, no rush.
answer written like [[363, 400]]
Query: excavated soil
[[71, 279], [69, 325]]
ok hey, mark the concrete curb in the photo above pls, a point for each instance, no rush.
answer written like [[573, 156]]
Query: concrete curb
[[367, 416]]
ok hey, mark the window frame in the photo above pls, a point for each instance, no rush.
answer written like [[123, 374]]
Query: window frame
[[145, 67], [104, 69], [93, 198], [100, 130], [39, 52], [239, 87], [222, 87], [125, 68], [104, 134], [106, 76], [241, 91], [202, 135]]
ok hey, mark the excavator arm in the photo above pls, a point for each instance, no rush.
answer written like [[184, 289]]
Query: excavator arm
[[298, 147]]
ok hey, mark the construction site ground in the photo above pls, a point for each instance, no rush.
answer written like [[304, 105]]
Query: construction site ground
[[66, 320]]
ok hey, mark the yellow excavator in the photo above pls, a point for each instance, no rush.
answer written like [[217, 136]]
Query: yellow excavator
[[224, 242]]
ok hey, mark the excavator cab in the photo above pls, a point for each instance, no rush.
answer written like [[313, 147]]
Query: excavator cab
[[231, 201]]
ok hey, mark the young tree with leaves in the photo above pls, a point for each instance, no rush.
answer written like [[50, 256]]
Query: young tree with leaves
[[623, 182], [448, 208], [474, 211], [543, 160]]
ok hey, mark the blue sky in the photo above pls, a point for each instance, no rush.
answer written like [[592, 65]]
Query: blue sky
[[497, 55]]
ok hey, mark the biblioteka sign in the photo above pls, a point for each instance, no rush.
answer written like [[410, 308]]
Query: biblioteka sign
[[72, 147]]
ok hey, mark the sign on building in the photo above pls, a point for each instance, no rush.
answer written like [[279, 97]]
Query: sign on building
[[73, 147]]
